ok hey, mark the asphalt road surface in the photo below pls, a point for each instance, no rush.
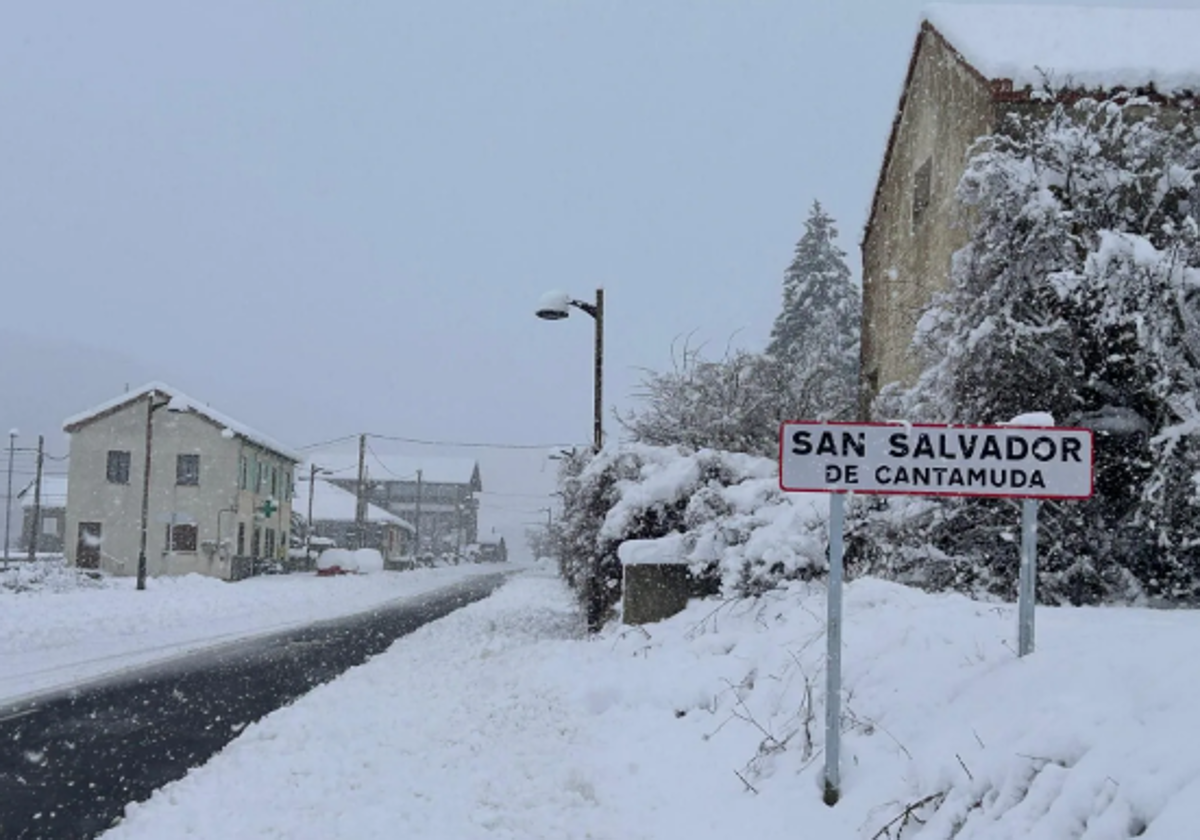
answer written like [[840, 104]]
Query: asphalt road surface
[[70, 762]]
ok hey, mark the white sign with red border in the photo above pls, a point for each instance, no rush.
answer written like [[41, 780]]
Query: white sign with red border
[[1031, 462]]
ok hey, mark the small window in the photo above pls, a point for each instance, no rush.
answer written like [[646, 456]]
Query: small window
[[187, 470], [274, 482], [241, 539], [118, 467], [183, 538], [270, 551], [922, 187], [256, 542], [243, 473]]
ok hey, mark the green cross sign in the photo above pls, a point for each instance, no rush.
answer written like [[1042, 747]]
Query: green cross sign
[[269, 507]]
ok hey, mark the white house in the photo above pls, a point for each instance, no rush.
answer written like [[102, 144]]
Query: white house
[[215, 500]]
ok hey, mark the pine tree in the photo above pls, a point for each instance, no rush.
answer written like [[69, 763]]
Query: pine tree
[[816, 334]]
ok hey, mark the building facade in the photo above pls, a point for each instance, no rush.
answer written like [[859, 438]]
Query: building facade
[[435, 495], [219, 493]]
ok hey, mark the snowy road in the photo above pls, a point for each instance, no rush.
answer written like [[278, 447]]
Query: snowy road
[[69, 763]]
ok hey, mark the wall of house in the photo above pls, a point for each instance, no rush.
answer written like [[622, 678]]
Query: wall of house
[[214, 505], [905, 258], [250, 499]]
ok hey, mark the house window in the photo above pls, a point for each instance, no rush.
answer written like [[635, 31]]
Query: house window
[[183, 538], [118, 467], [274, 482], [922, 186], [256, 542], [243, 473], [187, 470], [270, 552], [241, 539]]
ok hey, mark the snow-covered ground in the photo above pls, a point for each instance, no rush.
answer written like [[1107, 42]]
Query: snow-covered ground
[[58, 629], [501, 721]]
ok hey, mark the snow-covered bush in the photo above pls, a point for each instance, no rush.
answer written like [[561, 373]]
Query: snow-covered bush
[[1078, 294], [740, 533]]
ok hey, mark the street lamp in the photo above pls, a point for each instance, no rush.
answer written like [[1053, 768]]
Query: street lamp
[[555, 306], [151, 407]]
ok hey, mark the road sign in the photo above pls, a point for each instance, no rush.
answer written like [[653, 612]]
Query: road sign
[[1015, 461], [1029, 462]]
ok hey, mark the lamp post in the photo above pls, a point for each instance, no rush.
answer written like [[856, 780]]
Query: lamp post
[[151, 407], [554, 307], [12, 441], [313, 471]]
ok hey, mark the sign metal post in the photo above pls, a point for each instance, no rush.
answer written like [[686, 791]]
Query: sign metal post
[[833, 655], [1026, 594]]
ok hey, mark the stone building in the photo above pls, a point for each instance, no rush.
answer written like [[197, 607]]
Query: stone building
[[970, 67]]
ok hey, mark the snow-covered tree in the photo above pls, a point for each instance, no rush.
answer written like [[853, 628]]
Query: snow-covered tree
[[816, 334], [734, 404], [1077, 294]]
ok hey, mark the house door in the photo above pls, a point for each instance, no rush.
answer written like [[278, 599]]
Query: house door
[[87, 550]]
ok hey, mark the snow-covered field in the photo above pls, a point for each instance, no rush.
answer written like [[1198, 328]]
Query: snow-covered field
[[500, 721], [57, 629]]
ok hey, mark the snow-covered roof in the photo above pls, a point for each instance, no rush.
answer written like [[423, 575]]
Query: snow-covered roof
[[331, 502], [181, 402], [384, 467], [1074, 46], [54, 492]]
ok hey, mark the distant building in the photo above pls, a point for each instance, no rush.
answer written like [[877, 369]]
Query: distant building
[[435, 495], [220, 493], [333, 518], [972, 66], [53, 515]]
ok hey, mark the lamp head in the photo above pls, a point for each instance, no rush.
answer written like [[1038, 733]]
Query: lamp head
[[554, 306]]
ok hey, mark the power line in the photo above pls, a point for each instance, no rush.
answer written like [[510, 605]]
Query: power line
[[327, 442], [471, 444], [393, 473]]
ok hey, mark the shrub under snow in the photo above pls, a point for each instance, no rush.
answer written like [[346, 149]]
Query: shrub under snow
[[722, 512]]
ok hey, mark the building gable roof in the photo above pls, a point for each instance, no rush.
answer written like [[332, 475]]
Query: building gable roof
[[1076, 47], [183, 403], [1012, 48], [53, 495]]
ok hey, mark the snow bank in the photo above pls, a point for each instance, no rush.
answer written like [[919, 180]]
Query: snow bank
[[710, 725]]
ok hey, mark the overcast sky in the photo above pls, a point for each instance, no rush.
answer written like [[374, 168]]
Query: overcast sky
[[335, 217]]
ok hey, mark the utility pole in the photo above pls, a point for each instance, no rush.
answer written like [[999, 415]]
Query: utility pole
[[360, 509], [417, 518], [35, 527], [12, 441]]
